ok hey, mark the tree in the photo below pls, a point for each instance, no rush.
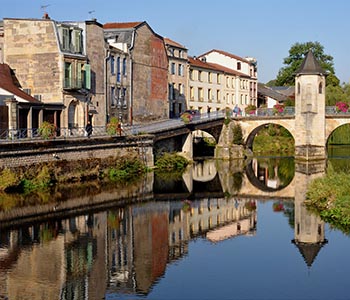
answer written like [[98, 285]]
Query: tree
[[286, 75]]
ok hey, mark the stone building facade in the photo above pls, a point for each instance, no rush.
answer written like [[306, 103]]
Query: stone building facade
[[148, 69], [177, 77]]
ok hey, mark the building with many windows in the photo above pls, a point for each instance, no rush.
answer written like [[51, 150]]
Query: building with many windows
[[177, 77], [147, 69], [245, 83]]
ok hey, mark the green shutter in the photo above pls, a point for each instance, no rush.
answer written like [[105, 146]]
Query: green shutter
[[87, 76]]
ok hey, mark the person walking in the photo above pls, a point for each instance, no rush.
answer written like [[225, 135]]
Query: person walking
[[88, 129]]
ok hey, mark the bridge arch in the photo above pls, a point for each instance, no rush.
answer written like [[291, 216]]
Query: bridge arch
[[250, 127], [334, 123]]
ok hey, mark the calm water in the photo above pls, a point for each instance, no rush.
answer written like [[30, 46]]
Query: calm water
[[223, 231]]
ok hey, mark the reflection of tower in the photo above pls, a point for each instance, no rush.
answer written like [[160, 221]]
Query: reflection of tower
[[309, 234]]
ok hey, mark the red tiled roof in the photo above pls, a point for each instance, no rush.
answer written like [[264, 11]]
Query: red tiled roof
[[226, 54], [123, 25], [229, 71], [197, 62], [173, 43], [6, 83]]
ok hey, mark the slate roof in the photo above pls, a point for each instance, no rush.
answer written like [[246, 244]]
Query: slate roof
[[266, 91], [310, 66], [7, 83], [309, 251]]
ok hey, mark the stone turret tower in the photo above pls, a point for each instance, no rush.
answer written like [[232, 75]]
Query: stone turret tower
[[310, 124]]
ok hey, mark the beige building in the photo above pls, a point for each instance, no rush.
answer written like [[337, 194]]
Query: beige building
[[60, 63], [244, 83], [177, 77], [213, 87]]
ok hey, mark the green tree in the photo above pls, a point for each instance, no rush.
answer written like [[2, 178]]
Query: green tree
[[286, 75]]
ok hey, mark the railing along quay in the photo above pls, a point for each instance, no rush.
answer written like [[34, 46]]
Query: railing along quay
[[32, 134]]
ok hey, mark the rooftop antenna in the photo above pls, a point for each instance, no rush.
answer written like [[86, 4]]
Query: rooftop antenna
[[91, 12], [43, 7]]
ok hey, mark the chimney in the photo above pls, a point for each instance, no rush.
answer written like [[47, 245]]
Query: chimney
[[46, 16]]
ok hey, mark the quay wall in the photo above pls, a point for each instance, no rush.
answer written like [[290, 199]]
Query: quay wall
[[26, 153]]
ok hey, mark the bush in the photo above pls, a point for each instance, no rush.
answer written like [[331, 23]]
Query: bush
[[173, 162], [8, 179], [47, 130], [126, 170], [113, 127], [237, 134]]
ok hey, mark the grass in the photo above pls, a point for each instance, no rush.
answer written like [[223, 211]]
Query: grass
[[329, 196]]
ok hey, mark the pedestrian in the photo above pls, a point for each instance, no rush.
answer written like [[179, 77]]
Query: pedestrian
[[236, 110], [88, 129]]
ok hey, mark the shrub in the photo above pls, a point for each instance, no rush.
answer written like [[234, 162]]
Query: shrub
[[342, 106], [278, 108], [113, 127], [47, 130], [237, 134], [8, 179], [250, 109], [171, 161]]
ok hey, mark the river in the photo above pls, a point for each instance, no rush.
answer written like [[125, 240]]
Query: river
[[224, 230]]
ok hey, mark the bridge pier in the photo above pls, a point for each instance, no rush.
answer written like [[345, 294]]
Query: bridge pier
[[310, 152]]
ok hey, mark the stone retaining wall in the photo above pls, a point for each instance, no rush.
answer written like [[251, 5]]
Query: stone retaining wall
[[27, 153]]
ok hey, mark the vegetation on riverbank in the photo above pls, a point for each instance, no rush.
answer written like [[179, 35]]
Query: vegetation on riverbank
[[329, 196], [45, 175]]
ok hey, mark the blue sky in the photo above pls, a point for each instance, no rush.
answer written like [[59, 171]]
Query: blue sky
[[262, 29]]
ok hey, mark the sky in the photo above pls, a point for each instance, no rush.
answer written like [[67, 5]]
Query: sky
[[263, 29]]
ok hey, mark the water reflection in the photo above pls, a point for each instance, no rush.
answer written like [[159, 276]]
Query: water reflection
[[125, 248]]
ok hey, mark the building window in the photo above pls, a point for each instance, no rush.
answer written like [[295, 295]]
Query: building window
[[67, 75], [171, 91], [181, 89], [180, 53], [238, 65], [191, 93], [218, 79], [124, 66], [112, 65], [113, 96], [181, 70], [199, 75], [320, 88], [117, 96], [200, 94], [124, 97], [191, 74], [210, 79], [298, 88], [172, 68], [218, 96], [65, 39], [210, 95], [118, 69]]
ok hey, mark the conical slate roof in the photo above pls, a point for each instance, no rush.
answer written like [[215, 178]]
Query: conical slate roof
[[310, 66]]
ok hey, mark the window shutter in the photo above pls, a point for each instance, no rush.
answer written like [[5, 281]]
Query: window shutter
[[87, 76]]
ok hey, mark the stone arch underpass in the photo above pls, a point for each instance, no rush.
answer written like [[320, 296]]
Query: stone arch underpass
[[252, 125]]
